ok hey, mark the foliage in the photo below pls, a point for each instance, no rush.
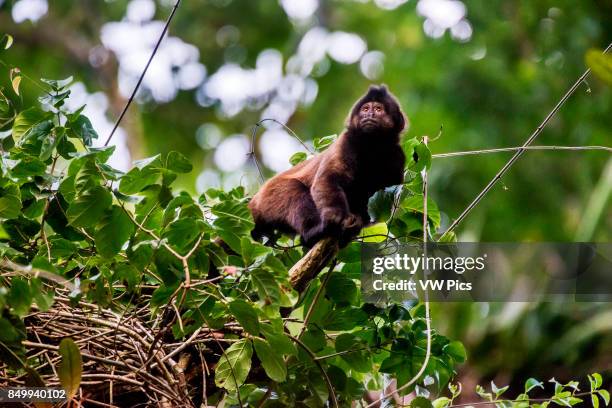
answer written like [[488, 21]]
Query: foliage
[[66, 212]]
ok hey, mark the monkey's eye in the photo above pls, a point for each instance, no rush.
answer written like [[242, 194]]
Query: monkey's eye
[[378, 109], [365, 109]]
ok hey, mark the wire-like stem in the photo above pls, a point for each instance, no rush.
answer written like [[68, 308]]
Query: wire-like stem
[[425, 300], [144, 72], [522, 149], [512, 149]]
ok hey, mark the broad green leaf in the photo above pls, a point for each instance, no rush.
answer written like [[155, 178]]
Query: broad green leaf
[[26, 120], [271, 360], [375, 233], [252, 250], [340, 288], [183, 233], [19, 296], [356, 354], [278, 339], [89, 207], [70, 367], [266, 285], [146, 172], [246, 315], [456, 350], [178, 163], [415, 203], [84, 130], [28, 166], [595, 400], [10, 202], [113, 230], [234, 365], [421, 402]]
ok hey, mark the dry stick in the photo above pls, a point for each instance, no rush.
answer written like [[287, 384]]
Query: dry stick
[[511, 149], [520, 151], [426, 302], [129, 102]]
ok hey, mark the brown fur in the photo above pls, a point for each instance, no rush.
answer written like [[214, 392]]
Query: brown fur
[[328, 194]]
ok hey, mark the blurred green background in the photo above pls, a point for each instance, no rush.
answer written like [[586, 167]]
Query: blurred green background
[[487, 73]]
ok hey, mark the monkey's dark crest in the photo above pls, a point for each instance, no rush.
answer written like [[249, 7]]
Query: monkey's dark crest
[[327, 195]]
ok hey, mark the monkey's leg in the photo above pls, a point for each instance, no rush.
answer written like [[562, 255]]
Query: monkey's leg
[[303, 215]]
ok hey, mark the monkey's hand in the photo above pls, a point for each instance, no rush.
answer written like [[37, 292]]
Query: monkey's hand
[[332, 220], [351, 225]]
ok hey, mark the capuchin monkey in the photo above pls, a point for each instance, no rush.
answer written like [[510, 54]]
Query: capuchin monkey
[[327, 195]]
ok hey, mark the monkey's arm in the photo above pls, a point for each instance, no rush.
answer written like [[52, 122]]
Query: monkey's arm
[[329, 197]]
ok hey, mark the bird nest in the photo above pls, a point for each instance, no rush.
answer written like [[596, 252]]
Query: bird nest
[[129, 359]]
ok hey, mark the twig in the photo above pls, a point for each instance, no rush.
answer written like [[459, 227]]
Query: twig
[[511, 149], [316, 298], [142, 75], [520, 151]]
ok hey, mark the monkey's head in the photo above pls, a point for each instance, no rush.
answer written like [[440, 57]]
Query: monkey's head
[[377, 111]]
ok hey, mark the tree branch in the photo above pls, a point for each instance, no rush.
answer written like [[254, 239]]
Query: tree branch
[[307, 268]]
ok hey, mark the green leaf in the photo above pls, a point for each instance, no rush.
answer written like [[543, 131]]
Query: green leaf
[[595, 400], [83, 129], [441, 402], [355, 352], [57, 84], [27, 167], [497, 391], [6, 41], [10, 202], [26, 120], [415, 203], [89, 207], [114, 229], [421, 402], [375, 233], [531, 383], [246, 315], [483, 394], [234, 365], [600, 64], [297, 158], [456, 350], [605, 395], [266, 285], [19, 297], [178, 163], [322, 143], [146, 172], [278, 339], [70, 367], [597, 381], [271, 360], [252, 250], [183, 232], [340, 288]]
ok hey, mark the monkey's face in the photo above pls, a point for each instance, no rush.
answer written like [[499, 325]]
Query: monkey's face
[[372, 116]]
